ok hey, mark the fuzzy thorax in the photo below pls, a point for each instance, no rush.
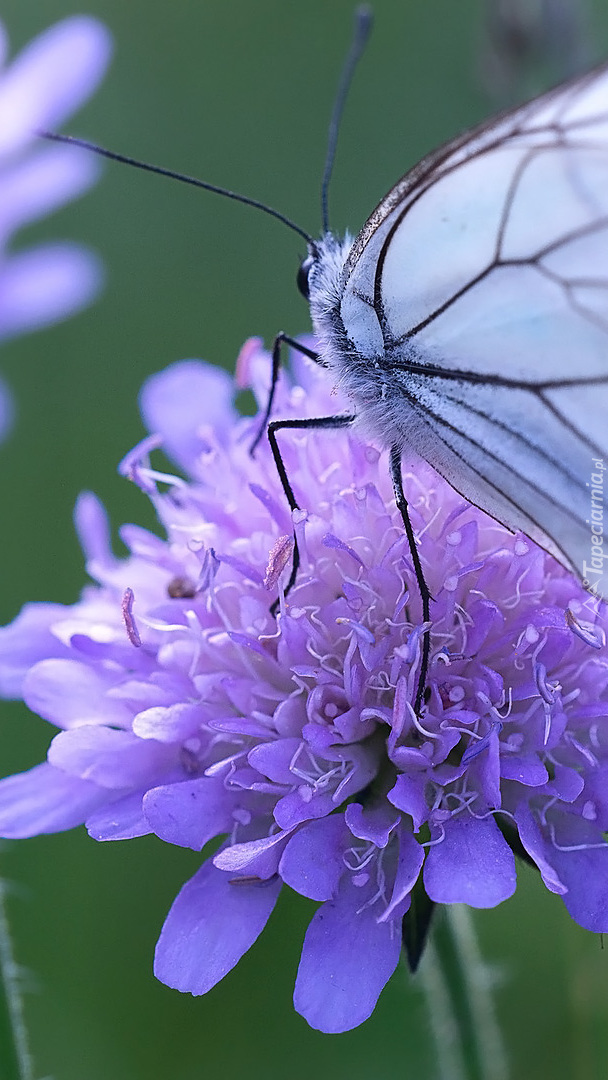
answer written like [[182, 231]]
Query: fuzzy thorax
[[363, 376]]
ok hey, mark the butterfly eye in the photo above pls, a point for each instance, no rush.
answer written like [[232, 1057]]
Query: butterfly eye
[[302, 278]]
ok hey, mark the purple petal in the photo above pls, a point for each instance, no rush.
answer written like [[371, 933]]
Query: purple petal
[[41, 183], [375, 824], [191, 813], [347, 958], [409, 795], [26, 640], [253, 367], [473, 864], [248, 571], [582, 866], [255, 858], [182, 399], [331, 541], [211, 924], [45, 800], [296, 807], [487, 767], [68, 693], [596, 790], [527, 770], [53, 75], [45, 284], [538, 848], [113, 759], [273, 759], [93, 530], [567, 783], [139, 694], [171, 723], [313, 861], [119, 820], [275, 509], [409, 864]]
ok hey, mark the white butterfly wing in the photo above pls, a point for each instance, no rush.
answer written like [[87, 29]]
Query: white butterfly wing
[[482, 281]]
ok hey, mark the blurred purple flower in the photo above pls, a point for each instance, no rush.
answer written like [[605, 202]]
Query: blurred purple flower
[[186, 710], [42, 87]]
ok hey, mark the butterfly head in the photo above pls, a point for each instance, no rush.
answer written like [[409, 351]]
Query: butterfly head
[[320, 273], [304, 270], [320, 281]]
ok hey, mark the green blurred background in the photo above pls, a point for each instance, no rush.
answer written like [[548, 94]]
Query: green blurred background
[[238, 92]]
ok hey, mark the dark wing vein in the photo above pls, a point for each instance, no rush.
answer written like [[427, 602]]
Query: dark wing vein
[[570, 425], [528, 443], [497, 262], [417, 178], [490, 379], [459, 432]]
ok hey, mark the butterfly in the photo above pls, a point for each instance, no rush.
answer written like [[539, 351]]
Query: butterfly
[[469, 320]]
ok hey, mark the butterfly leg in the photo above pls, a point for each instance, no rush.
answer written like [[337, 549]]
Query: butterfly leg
[[340, 421], [279, 340], [402, 506]]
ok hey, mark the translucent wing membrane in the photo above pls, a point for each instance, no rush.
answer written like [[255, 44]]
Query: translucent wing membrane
[[481, 283], [504, 450]]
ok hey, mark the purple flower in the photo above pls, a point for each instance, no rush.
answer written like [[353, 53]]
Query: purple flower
[[42, 87], [185, 709]]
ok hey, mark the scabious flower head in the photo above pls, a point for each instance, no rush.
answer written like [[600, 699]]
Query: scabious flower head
[[187, 709], [51, 78]]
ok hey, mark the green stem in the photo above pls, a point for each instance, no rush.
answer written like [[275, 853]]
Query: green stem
[[458, 989], [15, 1061]]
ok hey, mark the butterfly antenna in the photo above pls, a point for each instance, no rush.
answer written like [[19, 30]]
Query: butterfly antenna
[[361, 32], [71, 140]]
